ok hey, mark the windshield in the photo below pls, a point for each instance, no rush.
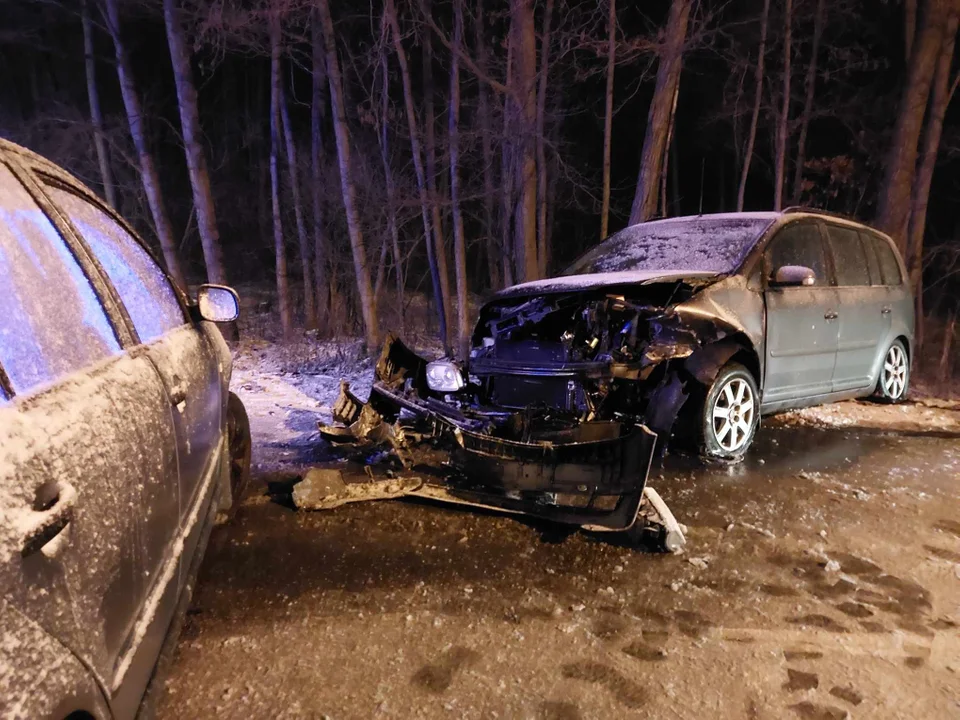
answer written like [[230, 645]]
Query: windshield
[[698, 244]]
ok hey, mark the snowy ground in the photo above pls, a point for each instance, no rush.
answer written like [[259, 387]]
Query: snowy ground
[[822, 580]]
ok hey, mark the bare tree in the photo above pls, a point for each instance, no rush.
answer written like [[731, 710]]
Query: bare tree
[[783, 118], [542, 239], [283, 289], [523, 35], [391, 187], [148, 168], [755, 115], [430, 151], [309, 305], [459, 244], [661, 107], [193, 144], [811, 82], [493, 249], [96, 116], [325, 282], [368, 301], [894, 201], [944, 87], [390, 17], [608, 115]]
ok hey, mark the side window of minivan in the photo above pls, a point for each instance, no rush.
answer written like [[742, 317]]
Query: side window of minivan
[[889, 266], [848, 256], [51, 320], [798, 244], [145, 291]]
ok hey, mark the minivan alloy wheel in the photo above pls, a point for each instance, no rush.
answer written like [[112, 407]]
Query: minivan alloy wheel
[[733, 414], [894, 376]]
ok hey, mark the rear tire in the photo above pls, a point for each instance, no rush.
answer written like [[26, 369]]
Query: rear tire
[[894, 380], [730, 414], [239, 449]]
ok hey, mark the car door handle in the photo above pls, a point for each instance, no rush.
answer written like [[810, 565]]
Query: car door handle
[[831, 315], [39, 527], [886, 311], [178, 393]]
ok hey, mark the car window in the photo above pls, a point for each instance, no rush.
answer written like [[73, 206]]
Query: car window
[[876, 278], [848, 256], [51, 321], [799, 244], [889, 267], [141, 284]]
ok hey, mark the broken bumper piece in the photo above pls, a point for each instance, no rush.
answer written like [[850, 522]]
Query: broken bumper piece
[[589, 473]]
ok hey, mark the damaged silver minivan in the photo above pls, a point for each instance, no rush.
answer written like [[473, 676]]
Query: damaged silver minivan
[[688, 328]]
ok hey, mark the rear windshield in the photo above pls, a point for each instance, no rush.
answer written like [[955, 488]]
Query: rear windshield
[[701, 244]]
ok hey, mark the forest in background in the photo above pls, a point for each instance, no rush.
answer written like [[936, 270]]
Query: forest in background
[[361, 155]]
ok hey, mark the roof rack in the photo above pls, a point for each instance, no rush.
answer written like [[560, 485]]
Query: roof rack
[[818, 211]]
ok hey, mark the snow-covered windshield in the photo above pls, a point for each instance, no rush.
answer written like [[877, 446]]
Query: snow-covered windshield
[[716, 244]]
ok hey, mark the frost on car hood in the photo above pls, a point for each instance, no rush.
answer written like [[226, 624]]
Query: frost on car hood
[[714, 244], [597, 280]]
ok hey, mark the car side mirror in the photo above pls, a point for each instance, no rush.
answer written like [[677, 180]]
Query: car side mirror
[[794, 275], [218, 303]]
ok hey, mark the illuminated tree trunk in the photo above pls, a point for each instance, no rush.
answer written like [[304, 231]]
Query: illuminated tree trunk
[[459, 244], [148, 168], [525, 91], [543, 248], [368, 302], [661, 108], [193, 145], [325, 282], [392, 228], [811, 83], [283, 289], [755, 115], [96, 116]]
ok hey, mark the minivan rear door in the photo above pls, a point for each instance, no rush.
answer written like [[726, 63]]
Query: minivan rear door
[[862, 320]]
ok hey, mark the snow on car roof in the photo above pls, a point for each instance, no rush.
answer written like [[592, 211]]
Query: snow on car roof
[[694, 244]]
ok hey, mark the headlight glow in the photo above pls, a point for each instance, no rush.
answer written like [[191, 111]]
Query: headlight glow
[[444, 376]]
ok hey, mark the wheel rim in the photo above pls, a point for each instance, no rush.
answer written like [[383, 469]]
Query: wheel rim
[[894, 372], [732, 414]]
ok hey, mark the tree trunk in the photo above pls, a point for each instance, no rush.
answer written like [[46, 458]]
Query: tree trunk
[[390, 16], [755, 115], [784, 118], [942, 92], [430, 149], [148, 169], [494, 250], [459, 244], [894, 201], [658, 117], [283, 289], [811, 83], [392, 228], [368, 302], [508, 173], [946, 355], [909, 27], [608, 116], [96, 117], [309, 306], [525, 90], [193, 145], [666, 157], [321, 274], [543, 240]]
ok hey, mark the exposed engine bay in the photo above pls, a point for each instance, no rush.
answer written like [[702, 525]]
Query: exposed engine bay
[[557, 410]]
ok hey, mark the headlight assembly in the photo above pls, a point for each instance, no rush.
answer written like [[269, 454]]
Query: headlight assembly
[[444, 376]]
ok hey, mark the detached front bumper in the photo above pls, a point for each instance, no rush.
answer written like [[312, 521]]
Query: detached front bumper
[[589, 473]]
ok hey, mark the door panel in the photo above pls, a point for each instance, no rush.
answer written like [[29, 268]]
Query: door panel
[[862, 320], [801, 332]]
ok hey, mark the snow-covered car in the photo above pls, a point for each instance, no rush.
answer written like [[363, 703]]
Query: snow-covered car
[[119, 445], [691, 328]]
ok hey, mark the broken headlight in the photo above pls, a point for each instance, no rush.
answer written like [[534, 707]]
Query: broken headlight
[[444, 376]]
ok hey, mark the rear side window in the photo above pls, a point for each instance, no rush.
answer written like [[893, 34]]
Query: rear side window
[[798, 244], [51, 321], [142, 286], [848, 256], [889, 267]]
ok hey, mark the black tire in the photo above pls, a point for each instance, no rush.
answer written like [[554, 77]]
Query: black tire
[[239, 449], [894, 381], [733, 390]]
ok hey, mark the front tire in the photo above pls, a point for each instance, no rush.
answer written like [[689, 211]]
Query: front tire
[[730, 414], [894, 380], [240, 446]]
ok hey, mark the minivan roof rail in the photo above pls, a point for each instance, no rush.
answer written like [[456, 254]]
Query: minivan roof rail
[[818, 211]]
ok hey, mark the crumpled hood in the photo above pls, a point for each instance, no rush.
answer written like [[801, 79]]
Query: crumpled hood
[[574, 283]]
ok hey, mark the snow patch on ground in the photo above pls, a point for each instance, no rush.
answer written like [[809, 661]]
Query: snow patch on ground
[[928, 414]]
